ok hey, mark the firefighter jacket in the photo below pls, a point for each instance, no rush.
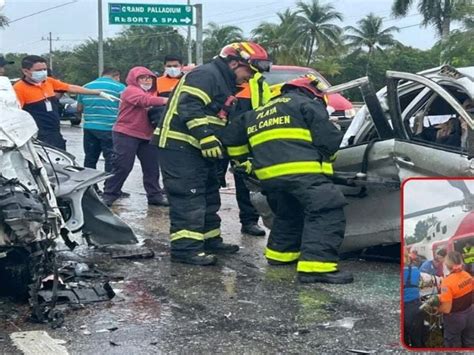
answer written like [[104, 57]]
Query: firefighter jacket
[[253, 94], [290, 135], [192, 107]]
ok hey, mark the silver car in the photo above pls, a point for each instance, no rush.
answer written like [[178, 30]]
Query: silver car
[[384, 145]]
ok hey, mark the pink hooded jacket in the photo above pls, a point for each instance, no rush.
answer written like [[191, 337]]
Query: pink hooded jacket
[[132, 118]]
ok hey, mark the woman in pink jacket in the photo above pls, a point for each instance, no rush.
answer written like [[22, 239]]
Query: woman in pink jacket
[[131, 135]]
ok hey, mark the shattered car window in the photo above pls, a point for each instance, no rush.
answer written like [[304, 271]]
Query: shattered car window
[[433, 120]]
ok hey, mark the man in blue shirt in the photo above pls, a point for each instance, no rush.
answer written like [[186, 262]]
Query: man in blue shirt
[[434, 267], [99, 117]]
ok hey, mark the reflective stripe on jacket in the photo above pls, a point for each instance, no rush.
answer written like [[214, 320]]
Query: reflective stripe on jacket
[[192, 107], [290, 135], [256, 90]]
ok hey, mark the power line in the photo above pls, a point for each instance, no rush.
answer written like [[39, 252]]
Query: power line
[[40, 12], [416, 24]]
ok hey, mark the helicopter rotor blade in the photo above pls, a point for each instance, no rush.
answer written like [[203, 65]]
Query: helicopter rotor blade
[[433, 209], [461, 185]]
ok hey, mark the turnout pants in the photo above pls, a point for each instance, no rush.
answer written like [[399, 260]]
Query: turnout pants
[[96, 142], [247, 213], [192, 187], [309, 222], [125, 149]]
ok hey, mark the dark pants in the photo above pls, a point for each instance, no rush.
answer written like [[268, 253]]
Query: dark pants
[[125, 149], [414, 334], [309, 218], [459, 329], [96, 142], [53, 138], [192, 187], [247, 213]]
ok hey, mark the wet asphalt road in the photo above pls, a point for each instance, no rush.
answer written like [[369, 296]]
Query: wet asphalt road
[[240, 306]]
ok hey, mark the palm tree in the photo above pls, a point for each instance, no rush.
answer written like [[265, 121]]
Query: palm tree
[[218, 36], [319, 32], [3, 21], [437, 13], [283, 40], [370, 34]]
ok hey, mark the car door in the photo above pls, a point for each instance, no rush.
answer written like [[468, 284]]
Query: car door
[[415, 157], [373, 210]]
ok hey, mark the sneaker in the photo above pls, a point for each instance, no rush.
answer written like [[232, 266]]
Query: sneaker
[[159, 200], [202, 259], [280, 263], [253, 229], [336, 277], [221, 248]]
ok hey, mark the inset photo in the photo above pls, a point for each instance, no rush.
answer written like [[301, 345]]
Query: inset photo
[[438, 263]]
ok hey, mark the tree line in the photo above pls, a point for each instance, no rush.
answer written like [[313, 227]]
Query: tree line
[[309, 35]]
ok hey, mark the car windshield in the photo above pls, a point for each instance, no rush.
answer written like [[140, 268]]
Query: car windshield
[[280, 76]]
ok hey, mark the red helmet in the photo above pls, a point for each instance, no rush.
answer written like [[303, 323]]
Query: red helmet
[[247, 53], [309, 82]]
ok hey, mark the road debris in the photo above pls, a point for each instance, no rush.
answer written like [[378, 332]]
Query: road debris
[[38, 342], [346, 323]]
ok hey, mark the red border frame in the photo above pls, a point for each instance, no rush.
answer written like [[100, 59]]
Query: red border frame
[[402, 246]]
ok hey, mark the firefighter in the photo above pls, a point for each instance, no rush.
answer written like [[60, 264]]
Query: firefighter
[[189, 150], [253, 94], [292, 142]]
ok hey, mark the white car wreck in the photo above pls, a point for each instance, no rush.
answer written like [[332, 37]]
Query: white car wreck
[[45, 197]]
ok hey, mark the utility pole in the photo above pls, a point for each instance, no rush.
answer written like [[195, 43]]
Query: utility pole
[[190, 45], [199, 59], [100, 41], [50, 39]]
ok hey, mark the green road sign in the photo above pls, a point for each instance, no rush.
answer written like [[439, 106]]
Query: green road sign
[[145, 14]]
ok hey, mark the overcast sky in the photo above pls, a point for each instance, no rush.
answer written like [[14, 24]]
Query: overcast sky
[[77, 22], [422, 194]]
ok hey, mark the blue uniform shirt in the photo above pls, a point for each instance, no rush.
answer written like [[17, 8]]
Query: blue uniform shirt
[[428, 267], [411, 291], [100, 113]]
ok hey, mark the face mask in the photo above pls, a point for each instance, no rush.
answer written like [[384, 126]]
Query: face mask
[[39, 76], [173, 72], [146, 87]]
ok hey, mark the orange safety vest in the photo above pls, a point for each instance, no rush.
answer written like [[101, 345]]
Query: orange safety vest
[[244, 92], [457, 288], [165, 84]]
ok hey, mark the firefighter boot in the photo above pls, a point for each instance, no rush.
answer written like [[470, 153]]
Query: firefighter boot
[[217, 246], [202, 259], [252, 229], [335, 277]]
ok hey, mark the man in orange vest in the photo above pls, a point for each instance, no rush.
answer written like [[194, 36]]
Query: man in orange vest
[[171, 76]]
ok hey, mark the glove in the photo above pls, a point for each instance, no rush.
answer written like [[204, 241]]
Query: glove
[[211, 147], [154, 114], [245, 166], [109, 97]]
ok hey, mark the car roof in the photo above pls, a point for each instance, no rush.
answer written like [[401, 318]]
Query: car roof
[[277, 67]]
